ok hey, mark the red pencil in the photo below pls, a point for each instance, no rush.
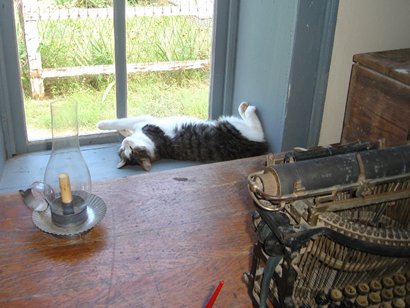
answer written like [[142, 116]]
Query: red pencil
[[215, 294]]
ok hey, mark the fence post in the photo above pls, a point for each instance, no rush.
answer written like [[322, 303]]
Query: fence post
[[29, 16]]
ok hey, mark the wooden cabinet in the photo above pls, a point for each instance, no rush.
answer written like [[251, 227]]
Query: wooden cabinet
[[378, 103]]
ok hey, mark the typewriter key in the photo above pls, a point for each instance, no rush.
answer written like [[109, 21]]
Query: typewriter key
[[374, 298], [399, 279], [350, 292], [399, 291], [336, 295], [363, 288], [361, 301], [388, 282], [387, 294], [375, 285], [398, 303]]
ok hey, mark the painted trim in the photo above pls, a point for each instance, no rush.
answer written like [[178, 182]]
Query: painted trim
[[230, 57], [8, 145], [312, 50], [3, 99], [225, 33], [266, 32], [120, 57], [325, 57], [12, 108]]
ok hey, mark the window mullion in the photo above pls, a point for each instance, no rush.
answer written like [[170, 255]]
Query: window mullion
[[11, 107], [225, 30], [120, 57]]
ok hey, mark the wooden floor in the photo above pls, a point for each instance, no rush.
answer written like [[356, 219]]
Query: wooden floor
[[167, 239]]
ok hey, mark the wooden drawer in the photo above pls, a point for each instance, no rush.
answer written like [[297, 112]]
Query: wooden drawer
[[378, 103]]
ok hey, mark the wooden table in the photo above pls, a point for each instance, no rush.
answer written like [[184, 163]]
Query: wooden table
[[167, 239]]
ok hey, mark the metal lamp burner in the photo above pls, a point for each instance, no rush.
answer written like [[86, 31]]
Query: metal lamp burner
[[62, 220], [73, 214]]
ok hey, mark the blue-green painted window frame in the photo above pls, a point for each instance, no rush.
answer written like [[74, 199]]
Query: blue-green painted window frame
[[12, 105], [223, 73]]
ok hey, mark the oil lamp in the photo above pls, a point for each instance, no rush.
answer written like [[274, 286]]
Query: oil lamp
[[63, 203], [66, 171]]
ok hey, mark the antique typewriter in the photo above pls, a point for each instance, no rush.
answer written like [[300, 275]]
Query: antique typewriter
[[333, 228]]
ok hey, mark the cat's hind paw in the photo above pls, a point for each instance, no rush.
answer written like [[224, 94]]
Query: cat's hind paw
[[242, 108], [246, 111]]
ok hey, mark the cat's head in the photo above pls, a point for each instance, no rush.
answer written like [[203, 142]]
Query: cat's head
[[135, 156]]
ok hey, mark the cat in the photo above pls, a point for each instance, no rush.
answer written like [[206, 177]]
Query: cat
[[148, 139]]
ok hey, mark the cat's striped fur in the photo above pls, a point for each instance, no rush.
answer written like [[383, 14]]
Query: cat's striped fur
[[183, 138]]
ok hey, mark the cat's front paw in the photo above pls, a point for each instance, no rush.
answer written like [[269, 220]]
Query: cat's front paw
[[104, 125], [250, 111]]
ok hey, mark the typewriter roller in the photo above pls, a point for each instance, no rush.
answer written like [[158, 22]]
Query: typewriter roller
[[333, 231]]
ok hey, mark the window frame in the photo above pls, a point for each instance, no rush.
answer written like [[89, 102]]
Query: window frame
[[12, 105], [222, 83]]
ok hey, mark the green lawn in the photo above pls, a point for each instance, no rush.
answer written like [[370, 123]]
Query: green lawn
[[88, 42], [155, 94]]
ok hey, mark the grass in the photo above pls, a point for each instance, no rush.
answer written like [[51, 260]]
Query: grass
[[76, 42], [149, 94]]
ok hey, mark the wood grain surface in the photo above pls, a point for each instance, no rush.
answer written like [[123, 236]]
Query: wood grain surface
[[167, 239], [378, 103], [391, 63]]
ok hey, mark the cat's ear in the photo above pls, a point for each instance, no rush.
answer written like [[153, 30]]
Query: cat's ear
[[121, 163], [146, 164]]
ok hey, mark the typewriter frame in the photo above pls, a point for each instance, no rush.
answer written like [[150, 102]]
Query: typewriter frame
[[298, 231]]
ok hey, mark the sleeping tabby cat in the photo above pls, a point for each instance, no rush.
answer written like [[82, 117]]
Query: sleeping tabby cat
[[148, 139]]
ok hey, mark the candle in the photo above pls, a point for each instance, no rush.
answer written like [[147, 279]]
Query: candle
[[65, 188]]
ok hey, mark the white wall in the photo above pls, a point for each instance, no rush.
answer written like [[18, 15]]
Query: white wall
[[362, 26]]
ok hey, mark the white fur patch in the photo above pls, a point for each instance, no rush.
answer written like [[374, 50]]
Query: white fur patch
[[138, 139], [249, 126], [254, 132], [171, 124]]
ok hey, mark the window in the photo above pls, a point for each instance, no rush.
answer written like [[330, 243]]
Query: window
[[265, 52], [116, 94]]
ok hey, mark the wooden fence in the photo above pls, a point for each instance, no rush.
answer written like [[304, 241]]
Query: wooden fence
[[30, 14]]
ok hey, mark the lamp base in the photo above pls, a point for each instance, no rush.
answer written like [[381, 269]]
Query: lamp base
[[96, 209]]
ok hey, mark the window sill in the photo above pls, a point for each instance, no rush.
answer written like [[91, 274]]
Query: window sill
[[22, 170]]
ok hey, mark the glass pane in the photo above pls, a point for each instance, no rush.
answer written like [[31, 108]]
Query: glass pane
[[66, 52], [168, 53]]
